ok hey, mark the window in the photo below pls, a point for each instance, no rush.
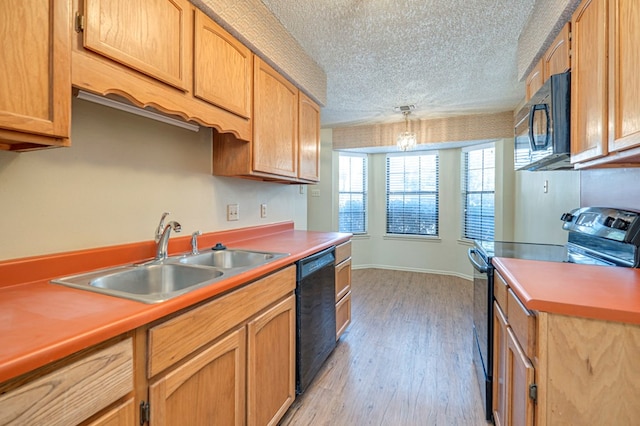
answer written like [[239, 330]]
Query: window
[[412, 194], [352, 193], [478, 193]]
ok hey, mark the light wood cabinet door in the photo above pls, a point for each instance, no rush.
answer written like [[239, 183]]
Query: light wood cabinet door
[[520, 376], [624, 75], [309, 139], [122, 415], [223, 67], [534, 80], [207, 389], [35, 75], [557, 58], [72, 393], [499, 366], [271, 363], [343, 314], [150, 36], [275, 122], [343, 279], [589, 81]]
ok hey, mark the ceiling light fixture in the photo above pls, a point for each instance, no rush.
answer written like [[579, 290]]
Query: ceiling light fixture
[[406, 140], [135, 110]]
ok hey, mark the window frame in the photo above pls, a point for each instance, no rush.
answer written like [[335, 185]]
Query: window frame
[[364, 192], [436, 193], [464, 183]]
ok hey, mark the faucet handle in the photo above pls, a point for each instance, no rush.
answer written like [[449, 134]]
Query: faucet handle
[[160, 228], [194, 242]]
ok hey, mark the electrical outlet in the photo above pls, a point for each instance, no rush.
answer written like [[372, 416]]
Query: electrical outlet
[[263, 210], [233, 212]]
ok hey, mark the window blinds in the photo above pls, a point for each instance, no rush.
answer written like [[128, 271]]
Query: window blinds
[[412, 194]]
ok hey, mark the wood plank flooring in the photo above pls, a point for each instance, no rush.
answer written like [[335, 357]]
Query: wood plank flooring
[[405, 359]]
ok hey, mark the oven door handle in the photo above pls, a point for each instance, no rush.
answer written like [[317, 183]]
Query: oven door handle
[[472, 253]]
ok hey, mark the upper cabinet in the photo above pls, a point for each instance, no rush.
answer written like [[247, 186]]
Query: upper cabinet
[[223, 67], [309, 139], [286, 134], [275, 126], [624, 75], [534, 81], [35, 76], [557, 58], [605, 82], [166, 55], [149, 36], [589, 81]]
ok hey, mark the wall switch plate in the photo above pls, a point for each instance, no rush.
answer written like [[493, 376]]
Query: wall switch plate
[[263, 210], [233, 212], [315, 192]]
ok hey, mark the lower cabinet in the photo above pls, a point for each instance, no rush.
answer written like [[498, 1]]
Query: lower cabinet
[[271, 379], [499, 366], [209, 386], [513, 386], [227, 361], [343, 287], [75, 389], [122, 415], [230, 361], [558, 369]]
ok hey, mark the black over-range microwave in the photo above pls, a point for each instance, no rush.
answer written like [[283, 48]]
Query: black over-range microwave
[[542, 129]]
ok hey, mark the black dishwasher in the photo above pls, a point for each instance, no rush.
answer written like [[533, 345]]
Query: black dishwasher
[[315, 315]]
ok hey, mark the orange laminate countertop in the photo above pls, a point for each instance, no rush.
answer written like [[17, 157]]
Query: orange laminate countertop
[[599, 292], [42, 322]]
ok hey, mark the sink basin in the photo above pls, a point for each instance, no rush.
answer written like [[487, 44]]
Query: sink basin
[[147, 283], [228, 259], [159, 281]]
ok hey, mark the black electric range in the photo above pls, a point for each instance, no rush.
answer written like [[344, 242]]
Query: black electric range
[[597, 236]]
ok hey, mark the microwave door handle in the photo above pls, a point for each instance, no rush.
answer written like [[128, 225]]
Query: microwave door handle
[[547, 140], [531, 135], [532, 114]]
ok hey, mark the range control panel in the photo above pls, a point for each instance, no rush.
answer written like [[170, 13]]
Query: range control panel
[[609, 223]]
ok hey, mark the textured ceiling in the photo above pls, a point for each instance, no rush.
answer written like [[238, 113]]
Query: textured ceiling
[[447, 57]]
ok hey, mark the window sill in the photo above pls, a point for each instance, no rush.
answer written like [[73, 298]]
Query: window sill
[[466, 242], [425, 238], [361, 237]]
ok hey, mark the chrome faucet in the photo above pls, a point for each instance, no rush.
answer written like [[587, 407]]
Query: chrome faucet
[[160, 227], [194, 242], [162, 236]]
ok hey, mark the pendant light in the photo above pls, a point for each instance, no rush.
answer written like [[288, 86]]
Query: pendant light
[[406, 140]]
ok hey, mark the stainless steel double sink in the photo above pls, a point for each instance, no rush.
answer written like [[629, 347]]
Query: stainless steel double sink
[[158, 281]]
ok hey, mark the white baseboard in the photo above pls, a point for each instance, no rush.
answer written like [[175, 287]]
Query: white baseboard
[[420, 270]]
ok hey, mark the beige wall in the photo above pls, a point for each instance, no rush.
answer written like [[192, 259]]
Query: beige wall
[[112, 185], [322, 204], [537, 214]]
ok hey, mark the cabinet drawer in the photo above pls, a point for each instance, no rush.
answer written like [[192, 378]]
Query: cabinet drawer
[[343, 279], [500, 290], [178, 337], [522, 322], [73, 392], [343, 314], [343, 252]]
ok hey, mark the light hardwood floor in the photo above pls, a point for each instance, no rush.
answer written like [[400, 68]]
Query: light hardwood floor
[[405, 359]]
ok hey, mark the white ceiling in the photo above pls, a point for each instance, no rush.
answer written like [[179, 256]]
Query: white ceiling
[[447, 57]]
